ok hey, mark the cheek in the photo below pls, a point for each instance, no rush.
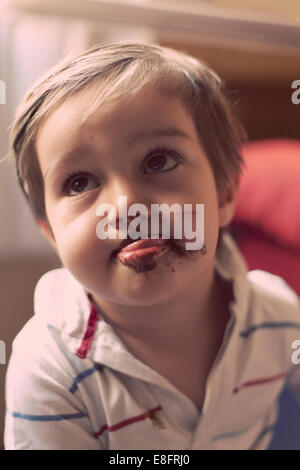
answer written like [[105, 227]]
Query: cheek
[[211, 219], [77, 242]]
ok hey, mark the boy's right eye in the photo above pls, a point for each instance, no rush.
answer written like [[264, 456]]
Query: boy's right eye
[[78, 183]]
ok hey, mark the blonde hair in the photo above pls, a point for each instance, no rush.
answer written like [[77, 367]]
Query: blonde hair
[[123, 69]]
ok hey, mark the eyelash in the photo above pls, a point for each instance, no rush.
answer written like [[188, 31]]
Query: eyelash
[[152, 151], [162, 149]]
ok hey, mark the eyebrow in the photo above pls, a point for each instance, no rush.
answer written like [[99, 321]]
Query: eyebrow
[[167, 132], [64, 160]]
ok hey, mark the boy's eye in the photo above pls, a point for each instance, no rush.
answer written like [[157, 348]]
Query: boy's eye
[[161, 161], [77, 184]]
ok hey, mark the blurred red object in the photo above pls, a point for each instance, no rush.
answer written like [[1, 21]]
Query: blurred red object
[[266, 225]]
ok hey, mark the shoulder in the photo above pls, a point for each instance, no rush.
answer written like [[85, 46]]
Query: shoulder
[[41, 365], [272, 321], [45, 408], [273, 297], [41, 342], [55, 294], [37, 352]]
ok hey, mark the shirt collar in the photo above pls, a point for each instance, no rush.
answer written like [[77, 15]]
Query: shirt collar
[[231, 266]]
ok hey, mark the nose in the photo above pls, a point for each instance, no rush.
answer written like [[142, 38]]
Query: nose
[[125, 195]]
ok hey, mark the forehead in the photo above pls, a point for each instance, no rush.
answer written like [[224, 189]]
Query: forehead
[[114, 122]]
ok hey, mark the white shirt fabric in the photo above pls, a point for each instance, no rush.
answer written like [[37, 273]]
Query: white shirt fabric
[[72, 383]]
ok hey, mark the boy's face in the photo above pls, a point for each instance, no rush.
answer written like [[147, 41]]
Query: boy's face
[[108, 161]]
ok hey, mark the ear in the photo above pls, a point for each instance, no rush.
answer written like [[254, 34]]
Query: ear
[[227, 199], [47, 232]]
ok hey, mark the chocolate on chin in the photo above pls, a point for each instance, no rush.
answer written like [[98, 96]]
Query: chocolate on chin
[[146, 263]]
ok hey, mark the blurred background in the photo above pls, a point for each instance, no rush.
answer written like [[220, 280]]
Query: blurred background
[[254, 45]]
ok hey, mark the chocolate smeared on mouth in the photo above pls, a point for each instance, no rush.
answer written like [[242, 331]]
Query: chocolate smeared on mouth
[[148, 263], [203, 251]]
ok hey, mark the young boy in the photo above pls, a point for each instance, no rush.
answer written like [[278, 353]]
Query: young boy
[[141, 344]]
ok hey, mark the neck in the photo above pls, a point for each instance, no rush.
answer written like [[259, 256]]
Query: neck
[[177, 323]]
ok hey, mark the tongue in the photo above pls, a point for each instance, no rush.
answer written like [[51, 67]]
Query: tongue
[[144, 243]]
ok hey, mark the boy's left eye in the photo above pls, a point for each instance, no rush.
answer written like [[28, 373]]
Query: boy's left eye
[[78, 183]]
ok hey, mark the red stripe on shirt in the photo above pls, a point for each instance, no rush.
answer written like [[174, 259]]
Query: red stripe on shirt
[[126, 422], [89, 333], [101, 430], [261, 381]]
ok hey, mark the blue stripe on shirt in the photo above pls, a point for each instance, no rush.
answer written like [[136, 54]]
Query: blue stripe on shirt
[[246, 333], [265, 431], [60, 417], [229, 434], [82, 376]]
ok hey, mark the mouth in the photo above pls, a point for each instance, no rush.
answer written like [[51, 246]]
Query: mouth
[[142, 254]]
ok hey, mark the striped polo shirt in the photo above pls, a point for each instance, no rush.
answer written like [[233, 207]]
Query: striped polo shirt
[[72, 383]]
